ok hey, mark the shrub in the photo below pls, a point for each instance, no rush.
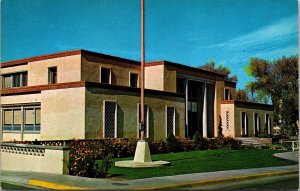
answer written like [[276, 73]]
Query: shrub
[[102, 169], [172, 143]]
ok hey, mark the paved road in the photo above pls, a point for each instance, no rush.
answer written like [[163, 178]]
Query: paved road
[[284, 182]]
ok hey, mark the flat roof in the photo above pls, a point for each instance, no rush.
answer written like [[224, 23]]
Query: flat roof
[[105, 56]]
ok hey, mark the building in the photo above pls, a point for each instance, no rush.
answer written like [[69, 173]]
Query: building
[[84, 95]]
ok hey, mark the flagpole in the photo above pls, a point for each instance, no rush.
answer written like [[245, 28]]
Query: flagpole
[[142, 69]]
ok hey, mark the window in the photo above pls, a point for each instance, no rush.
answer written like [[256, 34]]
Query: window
[[52, 75], [227, 94], [244, 124], [14, 118], [227, 119], [146, 120], [133, 80], [170, 121], [14, 80], [110, 119], [267, 124], [32, 118], [256, 124], [180, 85], [105, 75]]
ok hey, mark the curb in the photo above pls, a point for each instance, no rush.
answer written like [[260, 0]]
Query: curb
[[52, 185], [219, 180]]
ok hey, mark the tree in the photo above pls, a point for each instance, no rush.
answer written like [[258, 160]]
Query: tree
[[211, 66], [242, 95], [278, 81], [220, 128]]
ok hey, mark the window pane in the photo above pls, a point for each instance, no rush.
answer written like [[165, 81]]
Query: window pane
[[52, 75], [16, 80], [29, 116], [7, 117], [7, 127], [24, 79], [17, 117], [7, 81], [170, 120], [28, 128], [17, 128], [37, 127], [37, 116], [133, 80], [110, 109], [105, 75]]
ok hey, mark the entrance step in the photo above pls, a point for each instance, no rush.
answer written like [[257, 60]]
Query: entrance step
[[247, 141]]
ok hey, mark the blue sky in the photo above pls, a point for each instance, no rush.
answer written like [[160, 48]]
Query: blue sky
[[190, 32]]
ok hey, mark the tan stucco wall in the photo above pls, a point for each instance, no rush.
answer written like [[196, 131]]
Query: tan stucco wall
[[19, 99], [250, 114], [68, 70], [14, 69], [219, 96], [231, 131], [53, 161], [63, 114], [11, 136], [119, 70], [169, 79], [154, 77], [127, 124]]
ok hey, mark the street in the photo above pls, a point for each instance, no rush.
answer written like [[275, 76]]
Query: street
[[284, 182]]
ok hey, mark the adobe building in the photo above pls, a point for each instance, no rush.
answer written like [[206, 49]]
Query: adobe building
[[85, 95]]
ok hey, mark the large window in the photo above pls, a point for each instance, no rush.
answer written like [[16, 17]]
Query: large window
[[27, 119], [32, 118], [110, 119], [52, 75], [14, 80], [268, 124], [105, 75], [244, 124], [256, 124], [170, 123], [180, 85], [133, 80], [146, 120]]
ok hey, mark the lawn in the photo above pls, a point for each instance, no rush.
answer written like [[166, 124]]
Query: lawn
[[202, 161]]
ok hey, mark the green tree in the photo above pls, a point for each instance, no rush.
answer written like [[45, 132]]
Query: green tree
[[211, 66], [242, 95], [277, 81]]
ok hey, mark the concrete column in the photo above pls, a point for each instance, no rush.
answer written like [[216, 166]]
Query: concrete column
[[186, 106], [204, 114]]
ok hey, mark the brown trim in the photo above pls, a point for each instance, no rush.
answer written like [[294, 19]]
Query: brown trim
[[63, 54], [131, 89], [240, 103], [230, 83], [181, 66], [39, 88], [38, 58]]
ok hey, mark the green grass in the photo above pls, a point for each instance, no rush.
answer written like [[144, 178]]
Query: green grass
[[202, 161]]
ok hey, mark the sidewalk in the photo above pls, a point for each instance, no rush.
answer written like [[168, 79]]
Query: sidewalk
[[55, 181]]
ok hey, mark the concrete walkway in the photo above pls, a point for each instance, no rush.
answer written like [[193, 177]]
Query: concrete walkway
[[55, 181]]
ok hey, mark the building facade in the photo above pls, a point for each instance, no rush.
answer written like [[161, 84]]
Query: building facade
[[84, 95]]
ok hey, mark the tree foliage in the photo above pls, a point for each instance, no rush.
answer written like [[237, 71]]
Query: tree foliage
[[211, 66], [278, 80]]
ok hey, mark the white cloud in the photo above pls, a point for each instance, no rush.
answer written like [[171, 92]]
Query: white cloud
[[282, 30]]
